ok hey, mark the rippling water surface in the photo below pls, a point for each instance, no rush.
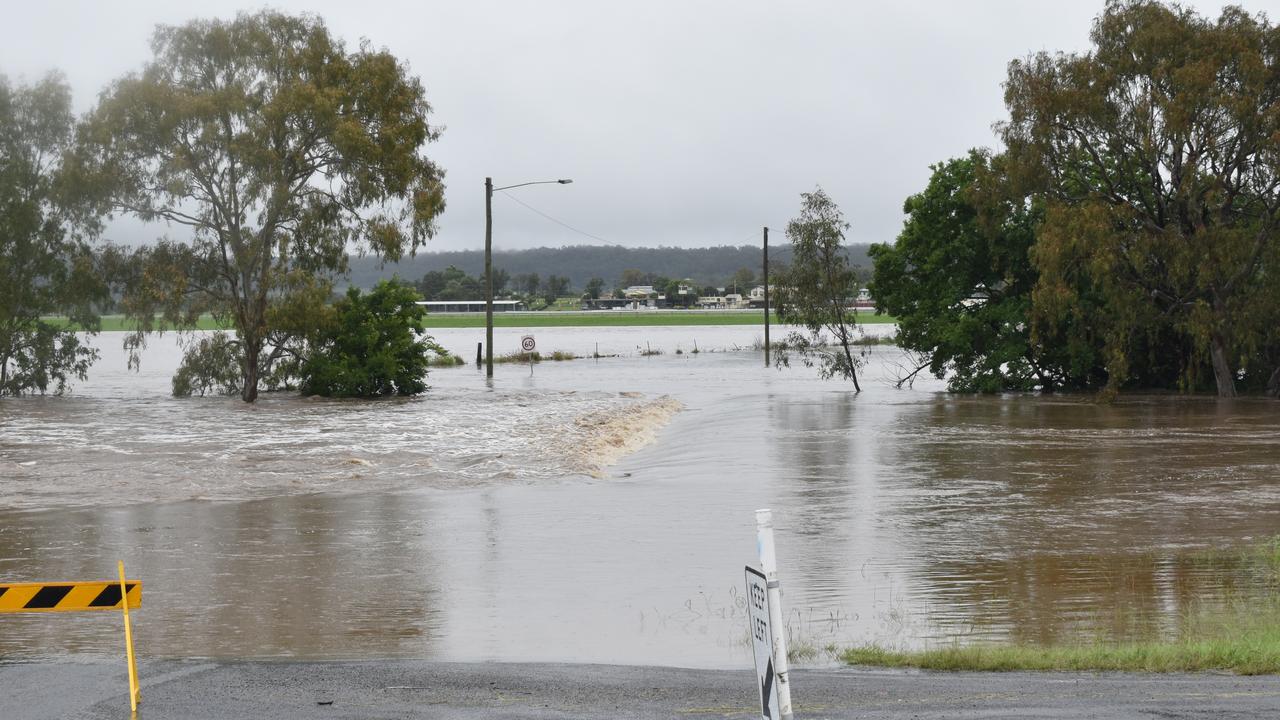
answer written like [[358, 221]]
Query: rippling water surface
[[488, 523]]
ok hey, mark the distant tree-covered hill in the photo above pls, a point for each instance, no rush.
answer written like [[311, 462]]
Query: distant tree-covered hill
[[580, 263]]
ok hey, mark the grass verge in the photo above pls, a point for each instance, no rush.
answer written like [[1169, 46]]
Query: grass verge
[[1259, 655], [1240, 635], [445, 360], [522, 357]]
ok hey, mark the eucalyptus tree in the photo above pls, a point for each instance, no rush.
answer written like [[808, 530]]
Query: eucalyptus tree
[[959, 280], [275, 151], [1158, 155], [554, 288], [47, 267], [816, 290]]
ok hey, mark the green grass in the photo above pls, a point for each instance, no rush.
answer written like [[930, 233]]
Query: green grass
[[446, 360], [1246, 655], [1240, 635], [565, 303], [520, 357]]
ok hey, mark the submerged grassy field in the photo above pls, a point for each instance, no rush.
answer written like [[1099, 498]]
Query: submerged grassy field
[[116, 323], [600, 318], [1240, 635]]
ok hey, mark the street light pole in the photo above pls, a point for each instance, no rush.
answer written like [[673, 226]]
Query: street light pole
[[488, 263], [766, 297], [488, 277]]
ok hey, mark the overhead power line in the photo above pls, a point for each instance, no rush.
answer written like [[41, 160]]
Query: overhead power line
[[558, 222], [746, 240]]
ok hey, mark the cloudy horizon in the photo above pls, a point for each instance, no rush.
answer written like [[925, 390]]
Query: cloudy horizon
[[681, 124]]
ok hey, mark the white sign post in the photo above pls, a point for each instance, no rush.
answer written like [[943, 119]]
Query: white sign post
[[762, 642], [527, 344], [769, 563]]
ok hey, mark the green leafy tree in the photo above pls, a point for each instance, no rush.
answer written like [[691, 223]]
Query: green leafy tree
[[556, 287], [374, 346], [959, 281], [213, 368], [815, 291], [594, 287], [528, 283], [277, 150], [1157, 155], [632, 277], [671, 288], [501, 278], [431, 284], [743, 280], [46, 265], [451, 284]]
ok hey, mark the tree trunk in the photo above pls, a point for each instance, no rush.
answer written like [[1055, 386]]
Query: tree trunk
[[249, 369], [1222, 372], [853, 369], [1273, 384]]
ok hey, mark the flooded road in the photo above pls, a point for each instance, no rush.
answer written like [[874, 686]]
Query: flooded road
[[480, 523]]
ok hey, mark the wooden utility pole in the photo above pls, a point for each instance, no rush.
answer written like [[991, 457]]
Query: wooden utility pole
[[488, 262], [766, 297], [488, 277]]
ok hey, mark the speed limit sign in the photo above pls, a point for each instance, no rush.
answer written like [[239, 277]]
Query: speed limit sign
[[527, 344]]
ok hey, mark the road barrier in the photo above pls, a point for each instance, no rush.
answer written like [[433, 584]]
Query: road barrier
[[66, 596], [121, 595]]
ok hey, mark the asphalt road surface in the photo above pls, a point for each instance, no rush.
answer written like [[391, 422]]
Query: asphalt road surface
[[409, 689]]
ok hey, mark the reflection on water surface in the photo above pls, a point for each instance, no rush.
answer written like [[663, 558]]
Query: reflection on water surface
[[463, 526]]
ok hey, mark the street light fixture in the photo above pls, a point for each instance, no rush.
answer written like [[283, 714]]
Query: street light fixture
[[488, 262]]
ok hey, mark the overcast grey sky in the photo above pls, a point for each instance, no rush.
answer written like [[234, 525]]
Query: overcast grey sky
[[681, 123]]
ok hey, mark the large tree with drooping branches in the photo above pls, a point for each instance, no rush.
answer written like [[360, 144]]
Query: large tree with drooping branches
[[1157, 155], [273, 151]]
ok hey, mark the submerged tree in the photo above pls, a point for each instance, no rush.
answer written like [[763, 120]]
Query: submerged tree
[[815, 291], [1158, 156], [277, 150], [46, 266], [374, 345], [959, 281]]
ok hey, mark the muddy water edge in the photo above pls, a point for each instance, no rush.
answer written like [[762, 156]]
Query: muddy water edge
[[521, 522]]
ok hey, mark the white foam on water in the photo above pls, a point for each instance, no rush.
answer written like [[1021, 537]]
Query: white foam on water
[[607, 437]]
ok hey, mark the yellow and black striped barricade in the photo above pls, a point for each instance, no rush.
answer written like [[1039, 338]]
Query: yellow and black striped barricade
[[122, 595], [67, 596]]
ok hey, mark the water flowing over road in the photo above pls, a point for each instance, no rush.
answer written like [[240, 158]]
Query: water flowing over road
[[601, 511]]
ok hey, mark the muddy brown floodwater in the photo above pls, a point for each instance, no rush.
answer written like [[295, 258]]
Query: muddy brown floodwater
[[601, 511]]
